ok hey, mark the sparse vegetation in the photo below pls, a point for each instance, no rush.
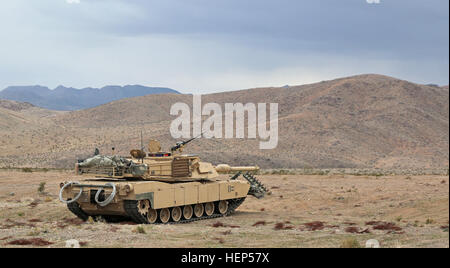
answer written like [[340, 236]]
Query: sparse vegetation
[[41, 188], [140, 229], [350, 243]]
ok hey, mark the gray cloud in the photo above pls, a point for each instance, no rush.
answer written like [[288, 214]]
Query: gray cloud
[[204, 46]]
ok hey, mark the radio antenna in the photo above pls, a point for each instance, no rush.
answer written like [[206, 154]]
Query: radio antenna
[[142, 147], [142, 142]]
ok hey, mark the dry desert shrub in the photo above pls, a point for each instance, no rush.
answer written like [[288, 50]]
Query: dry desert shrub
[[350, 243], [259, 223], [140, 230], [41, 188], [356, 230], [283, 226], [220, 224], [34, 203], [314, 226], [388, 226], [30, 242]]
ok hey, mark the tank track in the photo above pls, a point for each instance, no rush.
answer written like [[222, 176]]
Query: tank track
[[132, 210], [76, 209]]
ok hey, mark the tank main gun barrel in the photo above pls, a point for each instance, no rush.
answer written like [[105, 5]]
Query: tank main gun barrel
[[223, 168]]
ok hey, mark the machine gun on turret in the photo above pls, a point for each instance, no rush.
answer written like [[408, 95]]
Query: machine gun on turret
[[179, 145]]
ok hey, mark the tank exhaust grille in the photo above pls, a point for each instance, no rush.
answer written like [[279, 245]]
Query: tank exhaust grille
[[180, 167]]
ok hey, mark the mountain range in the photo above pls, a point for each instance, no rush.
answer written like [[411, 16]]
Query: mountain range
[[69, 99], [364, 121]]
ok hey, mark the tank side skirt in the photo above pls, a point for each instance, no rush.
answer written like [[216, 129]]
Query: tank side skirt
[[190, 195]]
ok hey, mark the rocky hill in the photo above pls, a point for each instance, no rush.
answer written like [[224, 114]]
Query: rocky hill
[[69, 99], [365, 121]]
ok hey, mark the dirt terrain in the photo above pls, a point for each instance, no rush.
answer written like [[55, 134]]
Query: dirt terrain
[[302, 211]]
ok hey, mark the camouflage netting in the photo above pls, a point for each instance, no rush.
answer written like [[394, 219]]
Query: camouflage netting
[[105, 161], [116, 162]]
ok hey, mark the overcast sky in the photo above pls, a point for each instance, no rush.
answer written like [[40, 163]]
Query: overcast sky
[[200, 46]]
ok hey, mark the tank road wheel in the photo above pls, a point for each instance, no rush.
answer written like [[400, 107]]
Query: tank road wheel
[[176, 214], [209, 208], [143, 206], [198, 210], [188, 211], [152, 215], [222, 207], [164, 215]]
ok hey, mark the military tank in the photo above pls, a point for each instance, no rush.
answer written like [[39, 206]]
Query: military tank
[[157, 187]]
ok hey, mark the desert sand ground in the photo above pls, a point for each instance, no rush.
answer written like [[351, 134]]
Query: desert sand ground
[[302, 211]]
